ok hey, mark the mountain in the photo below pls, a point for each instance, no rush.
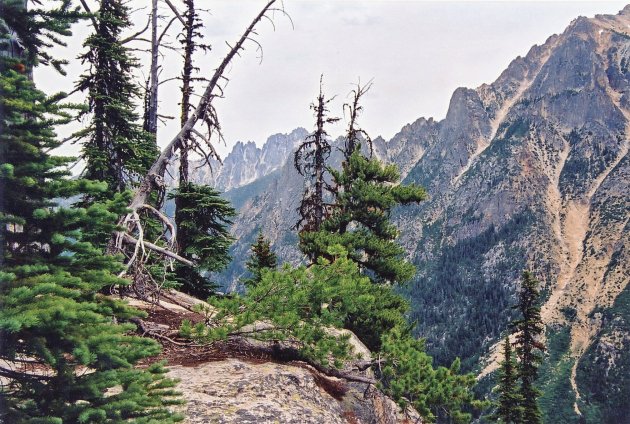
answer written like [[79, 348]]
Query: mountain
[[246, 162], [530, 171]]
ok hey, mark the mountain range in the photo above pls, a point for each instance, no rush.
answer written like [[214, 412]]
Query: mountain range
[[531, 172]]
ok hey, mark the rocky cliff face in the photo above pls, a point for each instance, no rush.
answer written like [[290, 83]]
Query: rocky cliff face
[[530, 171], [246, 162]]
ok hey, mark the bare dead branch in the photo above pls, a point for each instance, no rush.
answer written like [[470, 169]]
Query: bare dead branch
[[87, 9], [137, 34], [175, 11], [130, 239]]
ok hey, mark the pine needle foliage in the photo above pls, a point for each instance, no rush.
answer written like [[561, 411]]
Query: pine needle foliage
[[367, 193], [66, 354], [262, 258], [115, 148], [301, 305], [529, 348], [33, 33], [439, 394], [203, 234], [509, 409]]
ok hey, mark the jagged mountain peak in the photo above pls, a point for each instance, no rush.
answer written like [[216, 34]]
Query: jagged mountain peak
[[248, 162]]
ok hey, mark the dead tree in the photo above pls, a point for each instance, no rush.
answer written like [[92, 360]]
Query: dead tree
[[355, 134], [151, 115], [131, 232], [190, 44], [151, 112], [310, 162]]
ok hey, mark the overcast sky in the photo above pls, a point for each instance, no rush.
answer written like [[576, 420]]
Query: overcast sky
[[417, 53]]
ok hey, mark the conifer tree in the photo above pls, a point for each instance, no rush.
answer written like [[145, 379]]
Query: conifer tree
[[262, 258], [529, 348], [509, 409], [115, 147], [190, 279], [365, 192], [310, 161], [54, 324], [204, 233]]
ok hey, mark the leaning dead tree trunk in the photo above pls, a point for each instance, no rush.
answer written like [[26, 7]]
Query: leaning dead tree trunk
[[204, 112]]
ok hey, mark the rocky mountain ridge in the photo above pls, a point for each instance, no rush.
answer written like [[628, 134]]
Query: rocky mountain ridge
[[247, 162]]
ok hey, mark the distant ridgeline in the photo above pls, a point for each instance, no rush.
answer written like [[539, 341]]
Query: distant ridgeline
[[530, 171]]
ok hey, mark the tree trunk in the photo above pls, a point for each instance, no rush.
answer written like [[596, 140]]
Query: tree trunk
[[151, 114], [189, 48]]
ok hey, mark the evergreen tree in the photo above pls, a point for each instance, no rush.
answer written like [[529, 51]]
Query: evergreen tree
[[54, 324], [509, 409], [310, 161], [204, 233], [190, 40], [529, 349], [365, 192], [116, 149], [439, 394], [262, 258]]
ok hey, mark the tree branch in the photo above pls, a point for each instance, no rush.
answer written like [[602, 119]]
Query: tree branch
[[156, 171], [176, 12], [132, 240]]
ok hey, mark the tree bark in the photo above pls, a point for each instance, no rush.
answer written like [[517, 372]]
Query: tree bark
[[151, 114]]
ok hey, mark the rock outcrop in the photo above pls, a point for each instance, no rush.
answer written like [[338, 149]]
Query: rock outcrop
[[242, 383]]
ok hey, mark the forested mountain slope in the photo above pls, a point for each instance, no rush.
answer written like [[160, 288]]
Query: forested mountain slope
[[530, 171]]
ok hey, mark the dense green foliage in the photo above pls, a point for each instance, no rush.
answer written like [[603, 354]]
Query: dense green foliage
[[509, 409], [299, 304], [66, 352], [203, 233], [306, 306], [451, 294], [262, 258], [557, 398], [54, 325], [366, 193], [529, 348], [441, 394], [115, 147]]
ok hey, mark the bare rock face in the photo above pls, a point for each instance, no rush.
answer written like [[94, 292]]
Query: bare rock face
[[247, 162], [242, 383], [233, 391]]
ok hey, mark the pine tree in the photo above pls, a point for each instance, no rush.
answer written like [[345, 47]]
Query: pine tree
[[509, 409], [528, 347], [262, 258], [54, 324], [204, 233], [115, 147], [365, 192], [310, 161], [190, 40]]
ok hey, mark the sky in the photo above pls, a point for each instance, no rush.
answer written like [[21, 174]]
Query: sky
[[416, 53]]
